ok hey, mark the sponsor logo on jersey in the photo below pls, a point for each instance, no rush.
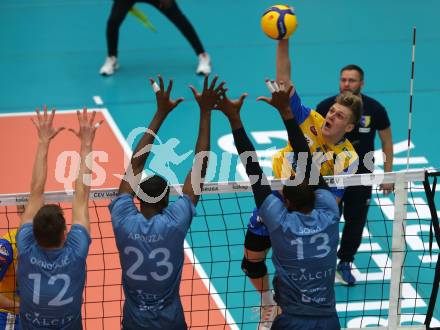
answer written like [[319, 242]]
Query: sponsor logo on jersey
[[313, 130], [306, 299], [365, 121], [304, 275], [347, 152], [3, 250], [40, 321]]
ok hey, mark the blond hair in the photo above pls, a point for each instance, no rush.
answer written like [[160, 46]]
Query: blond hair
[[353, 102]]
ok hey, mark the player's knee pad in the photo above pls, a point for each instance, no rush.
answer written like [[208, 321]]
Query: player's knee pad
[[254, 269]]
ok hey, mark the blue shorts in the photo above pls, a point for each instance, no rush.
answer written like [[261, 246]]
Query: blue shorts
[[256, 225], [295, 322], [9, 321]]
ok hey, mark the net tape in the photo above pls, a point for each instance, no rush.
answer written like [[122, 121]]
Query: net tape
[[231, 187]]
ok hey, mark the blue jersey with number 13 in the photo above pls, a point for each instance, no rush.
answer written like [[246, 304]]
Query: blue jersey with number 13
[[304, 254]]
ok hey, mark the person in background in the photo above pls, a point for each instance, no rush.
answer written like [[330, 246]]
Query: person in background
[[172, 11], [356, 199]]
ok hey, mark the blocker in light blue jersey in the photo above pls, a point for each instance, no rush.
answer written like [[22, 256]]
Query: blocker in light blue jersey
[[51, 281], [152, 255], [304, 256]]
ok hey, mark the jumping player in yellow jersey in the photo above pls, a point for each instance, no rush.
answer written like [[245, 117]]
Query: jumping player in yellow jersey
[[333, 158], [331, 151], [9, 304]]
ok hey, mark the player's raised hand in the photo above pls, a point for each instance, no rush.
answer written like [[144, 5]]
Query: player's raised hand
[[231, 108], [280, 99], [87, 127], [44, 125], [209, 98], [163, 96]]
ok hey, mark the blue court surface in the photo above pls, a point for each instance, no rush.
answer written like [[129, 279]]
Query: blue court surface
[[51, 52]]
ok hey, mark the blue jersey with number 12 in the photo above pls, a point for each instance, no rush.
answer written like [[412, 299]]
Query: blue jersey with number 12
[[51, 281]]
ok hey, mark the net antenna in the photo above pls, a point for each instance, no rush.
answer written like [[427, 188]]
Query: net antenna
[[411, 90]]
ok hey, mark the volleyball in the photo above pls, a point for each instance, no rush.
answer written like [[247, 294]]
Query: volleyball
[[279, 22]]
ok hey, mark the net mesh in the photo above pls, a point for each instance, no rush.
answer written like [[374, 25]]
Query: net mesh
[[216, 294]]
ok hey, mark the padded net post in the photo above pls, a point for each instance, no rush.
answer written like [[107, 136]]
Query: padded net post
[[398, 244]]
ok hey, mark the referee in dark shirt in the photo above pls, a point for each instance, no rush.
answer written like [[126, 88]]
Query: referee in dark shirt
[[357, 199]]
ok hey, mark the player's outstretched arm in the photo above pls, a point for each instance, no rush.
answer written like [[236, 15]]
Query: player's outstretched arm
[[207, 100], [245, 148], [46, 132], [283, 66], [280, 100], [86, 134], [165, 105]]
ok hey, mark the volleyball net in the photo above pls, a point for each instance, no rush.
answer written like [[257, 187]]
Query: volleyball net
[[396, 266]]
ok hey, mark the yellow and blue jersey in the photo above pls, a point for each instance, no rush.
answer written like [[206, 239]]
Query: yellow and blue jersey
[[335, 159], [8, 261], [340, 158]]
